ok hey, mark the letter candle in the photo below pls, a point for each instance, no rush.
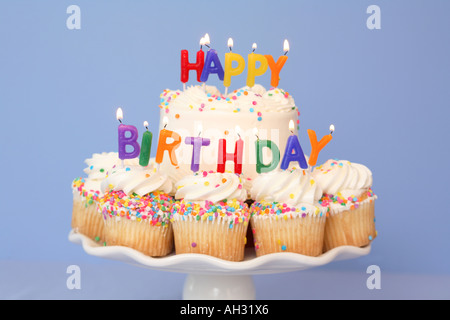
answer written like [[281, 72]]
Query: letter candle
[[165, 134], [260, 145], [212, 63], [197, 143], [275, 68], [229, 70], [252, 70], [197, 66], [316, 147], [293, 151], [146, 146], [124, 140], [236, 157]]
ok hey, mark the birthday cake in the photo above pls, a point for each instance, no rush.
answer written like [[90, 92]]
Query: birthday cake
[[229, 167], [246, 115]]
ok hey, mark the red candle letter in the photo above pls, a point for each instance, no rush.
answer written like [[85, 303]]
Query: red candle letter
[[236, 157], [186, 66]]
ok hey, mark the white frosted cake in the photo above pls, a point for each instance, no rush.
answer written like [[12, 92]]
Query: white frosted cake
[[203, 110]]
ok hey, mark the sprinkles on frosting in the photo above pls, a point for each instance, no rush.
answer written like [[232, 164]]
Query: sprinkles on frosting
[[283, 210], [352, 202], [90, 196], [236, 211], [168, 96], [153, 207]]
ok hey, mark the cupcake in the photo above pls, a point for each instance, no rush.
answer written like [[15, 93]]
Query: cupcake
[[351, 201], [210, 215], [86, 191], [286, 215], [135, 206]]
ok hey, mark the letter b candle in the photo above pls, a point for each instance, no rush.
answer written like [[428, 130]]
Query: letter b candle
[[124, 140]]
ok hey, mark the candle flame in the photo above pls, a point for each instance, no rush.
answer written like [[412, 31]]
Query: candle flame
[[254, 46], [145, 124], [332, 128], [119, 114], [255, 131], [165, 121], [291, 126], [286, 46], [206, 39], [200, 129], [202, 41], [230, 43]]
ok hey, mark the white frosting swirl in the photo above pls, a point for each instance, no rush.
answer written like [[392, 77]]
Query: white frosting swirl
[[349, 179], [100, 164], [137, 179], [213, 187], [293, 187], [244, 99]]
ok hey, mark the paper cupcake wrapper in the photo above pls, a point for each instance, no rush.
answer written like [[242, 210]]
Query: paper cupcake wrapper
[[154, 241], [303, 235], [355, 227], [87, 220], [214, 238]]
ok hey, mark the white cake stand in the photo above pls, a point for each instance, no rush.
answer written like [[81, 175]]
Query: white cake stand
[[211, 278]]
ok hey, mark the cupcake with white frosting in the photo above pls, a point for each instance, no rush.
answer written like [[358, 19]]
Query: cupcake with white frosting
[[286, 214], [135, 207], [86, 191], [211, 216], [347, 189]]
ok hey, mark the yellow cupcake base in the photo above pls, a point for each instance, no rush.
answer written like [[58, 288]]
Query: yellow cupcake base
[[355, 227], [86, 219], [303, 235]]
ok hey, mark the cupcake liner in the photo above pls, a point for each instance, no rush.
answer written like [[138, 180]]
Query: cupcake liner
[[354, 227], [303, 235], [87, 220], [151, 240], [215, 237]]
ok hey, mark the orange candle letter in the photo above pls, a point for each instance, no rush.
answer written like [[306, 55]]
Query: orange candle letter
[[316, 146], [170, 147]]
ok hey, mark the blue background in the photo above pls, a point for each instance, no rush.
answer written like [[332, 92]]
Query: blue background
[[386, 91]]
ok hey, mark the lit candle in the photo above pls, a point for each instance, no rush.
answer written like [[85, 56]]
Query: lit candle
[[260, 145], [163, 145], [146, 146], [206, 40], [197, 143], [293, 151], [236, 157], [212, 63], [125, 141], [275, 68], [252, 70], [316, 147], [197, 66], [229, 70]]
